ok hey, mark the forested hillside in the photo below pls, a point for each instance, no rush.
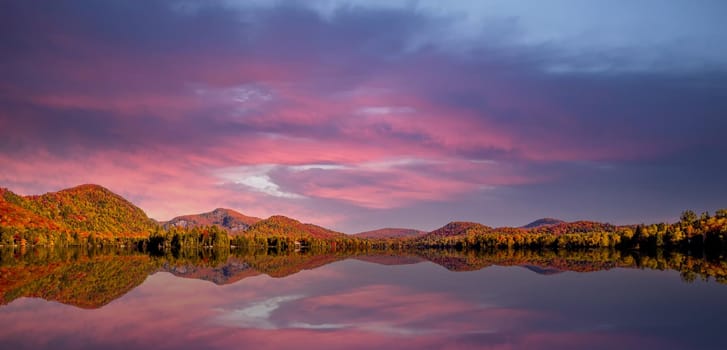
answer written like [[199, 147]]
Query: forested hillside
[[93, 215], [69, 215]]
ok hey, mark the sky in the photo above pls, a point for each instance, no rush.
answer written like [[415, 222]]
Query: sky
[[356, 115]]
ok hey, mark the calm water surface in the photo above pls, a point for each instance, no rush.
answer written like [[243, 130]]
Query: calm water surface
[[355, 304]]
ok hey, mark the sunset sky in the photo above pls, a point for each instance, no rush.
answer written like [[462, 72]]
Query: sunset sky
[[356, 115]]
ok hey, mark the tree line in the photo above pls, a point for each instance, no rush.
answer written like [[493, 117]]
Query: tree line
[[692, 232]]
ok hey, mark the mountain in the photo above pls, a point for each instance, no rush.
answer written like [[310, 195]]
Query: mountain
[[457, 228], [228, 219], [279, 225], [82, 209], [544, 222], [390, 233]]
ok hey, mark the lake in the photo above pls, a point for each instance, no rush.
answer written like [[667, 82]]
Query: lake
[[432, 300]]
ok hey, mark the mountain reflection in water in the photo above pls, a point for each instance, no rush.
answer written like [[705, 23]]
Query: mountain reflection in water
[[80, 299]]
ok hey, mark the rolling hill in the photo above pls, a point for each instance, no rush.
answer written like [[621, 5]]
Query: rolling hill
[[279, 225], [457, 228], [544, 222], [83, 209]]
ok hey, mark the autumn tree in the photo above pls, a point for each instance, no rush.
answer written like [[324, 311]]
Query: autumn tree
[[688, 217]]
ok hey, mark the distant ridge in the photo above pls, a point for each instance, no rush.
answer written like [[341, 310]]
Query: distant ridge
[[544, 222], [228, 219], [390, 233]]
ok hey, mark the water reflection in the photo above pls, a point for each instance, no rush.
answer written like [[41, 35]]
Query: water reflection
[[360, 301]]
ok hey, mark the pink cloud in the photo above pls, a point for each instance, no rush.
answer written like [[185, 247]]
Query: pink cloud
[[396, 183], [158, 122]]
